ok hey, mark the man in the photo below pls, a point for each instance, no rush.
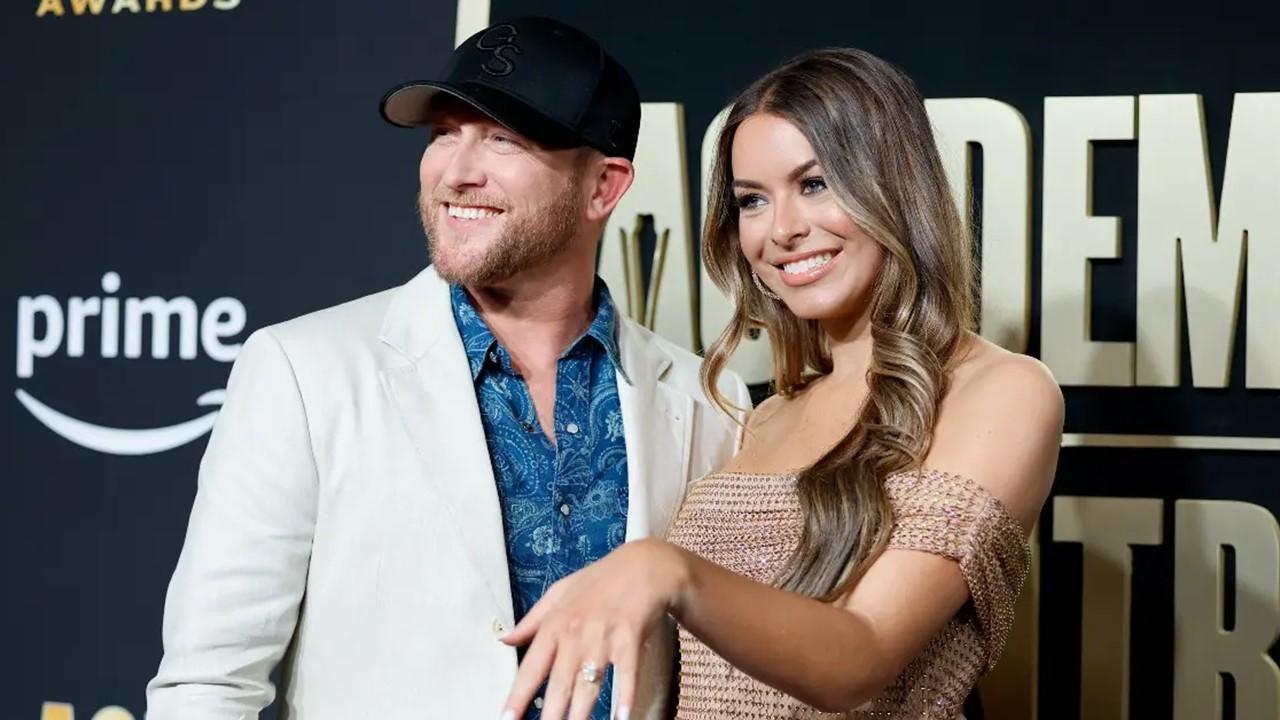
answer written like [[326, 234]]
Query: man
[[393, 482]]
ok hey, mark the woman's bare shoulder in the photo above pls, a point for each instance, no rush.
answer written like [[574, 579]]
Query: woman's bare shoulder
[[1001, 425]]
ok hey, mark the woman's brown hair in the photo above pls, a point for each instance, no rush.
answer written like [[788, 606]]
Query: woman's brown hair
[[867, 124]]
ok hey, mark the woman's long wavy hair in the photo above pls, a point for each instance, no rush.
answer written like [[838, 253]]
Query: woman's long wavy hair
[[867, 124]]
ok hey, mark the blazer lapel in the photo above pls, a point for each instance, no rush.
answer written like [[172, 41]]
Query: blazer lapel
[[655, 421], [436, 401]]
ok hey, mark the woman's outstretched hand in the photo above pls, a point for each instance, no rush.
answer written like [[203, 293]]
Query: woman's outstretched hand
[[594, 618]]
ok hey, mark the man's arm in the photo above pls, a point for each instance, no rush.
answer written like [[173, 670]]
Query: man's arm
[[233, 601]]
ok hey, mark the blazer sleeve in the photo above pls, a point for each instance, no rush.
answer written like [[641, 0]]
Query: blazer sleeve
[[233, 601]]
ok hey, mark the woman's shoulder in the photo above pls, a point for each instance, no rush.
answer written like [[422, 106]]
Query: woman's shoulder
[[782, 425], [770, 409], [987, 376], [1001, 425]]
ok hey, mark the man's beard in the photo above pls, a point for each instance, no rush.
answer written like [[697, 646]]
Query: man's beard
[[525, 242]]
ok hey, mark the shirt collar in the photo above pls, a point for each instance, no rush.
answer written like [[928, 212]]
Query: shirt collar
[[478, 340], [604, 328]]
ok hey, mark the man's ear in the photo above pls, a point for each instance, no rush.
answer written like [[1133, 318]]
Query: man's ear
[[612, 177]]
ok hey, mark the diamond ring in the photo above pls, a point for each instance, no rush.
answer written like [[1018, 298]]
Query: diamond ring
[[590, 673]]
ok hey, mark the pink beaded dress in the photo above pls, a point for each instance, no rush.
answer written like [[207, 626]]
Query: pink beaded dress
[[751, 524]]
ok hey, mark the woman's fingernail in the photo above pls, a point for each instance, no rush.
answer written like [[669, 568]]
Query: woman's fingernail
[[508, 714], [624, 713]]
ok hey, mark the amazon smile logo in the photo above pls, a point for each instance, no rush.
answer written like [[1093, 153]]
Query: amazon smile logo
[[47, 325]]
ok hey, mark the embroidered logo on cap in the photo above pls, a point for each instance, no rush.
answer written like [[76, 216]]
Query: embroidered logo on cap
[[497, 39]]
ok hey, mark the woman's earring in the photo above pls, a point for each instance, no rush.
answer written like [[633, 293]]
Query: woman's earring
[[764, 290]]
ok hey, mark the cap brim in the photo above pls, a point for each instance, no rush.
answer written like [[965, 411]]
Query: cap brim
[[409, 105]]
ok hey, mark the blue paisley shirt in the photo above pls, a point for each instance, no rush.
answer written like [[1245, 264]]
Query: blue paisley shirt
[[564, 505]]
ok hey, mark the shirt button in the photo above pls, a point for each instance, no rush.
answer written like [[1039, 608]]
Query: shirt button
[[564, 508], [493, 356], [571, 428], [497, 628], [537, 702]]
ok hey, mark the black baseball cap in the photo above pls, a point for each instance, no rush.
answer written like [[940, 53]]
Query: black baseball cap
[[546, 80]]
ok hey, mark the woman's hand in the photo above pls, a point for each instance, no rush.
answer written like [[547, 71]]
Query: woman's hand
[[594, 618]]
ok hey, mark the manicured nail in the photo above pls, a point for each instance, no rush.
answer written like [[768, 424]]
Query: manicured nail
[[624, 713], [508, 714]]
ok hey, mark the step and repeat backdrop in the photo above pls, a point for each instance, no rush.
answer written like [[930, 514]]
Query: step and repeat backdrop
[[178, 173]]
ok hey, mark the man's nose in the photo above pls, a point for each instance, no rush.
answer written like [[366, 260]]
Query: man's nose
[[464, 169]]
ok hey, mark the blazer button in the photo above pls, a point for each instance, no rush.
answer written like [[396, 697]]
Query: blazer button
[[498, 628]]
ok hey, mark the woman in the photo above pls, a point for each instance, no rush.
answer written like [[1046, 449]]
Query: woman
[[863, 552]]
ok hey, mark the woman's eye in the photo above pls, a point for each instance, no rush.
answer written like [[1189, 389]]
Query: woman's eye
[[747, 202], [813, 185]]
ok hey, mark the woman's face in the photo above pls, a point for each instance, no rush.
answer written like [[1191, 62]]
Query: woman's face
[[792, 231]]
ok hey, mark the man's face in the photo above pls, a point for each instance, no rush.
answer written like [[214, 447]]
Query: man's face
[[495, 204]]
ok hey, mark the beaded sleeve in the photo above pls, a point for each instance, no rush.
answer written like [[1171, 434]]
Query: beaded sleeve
[[955, 517]]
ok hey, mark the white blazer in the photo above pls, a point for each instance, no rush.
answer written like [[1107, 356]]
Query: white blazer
[[347, 516]]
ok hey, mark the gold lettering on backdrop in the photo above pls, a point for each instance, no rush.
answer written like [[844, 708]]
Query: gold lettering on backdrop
[[64, 711], [630, 247], [753, 359], [57, 711], [1005, 226], [95, 7], [1203, 646], [50, 6], [642, 306], [1183, 257], [1180, 442], [472, 17], [1072, 235], [1249, 207], [692, 313], [1010, 689], [1105, 528], [79, 7], [661, 189]]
